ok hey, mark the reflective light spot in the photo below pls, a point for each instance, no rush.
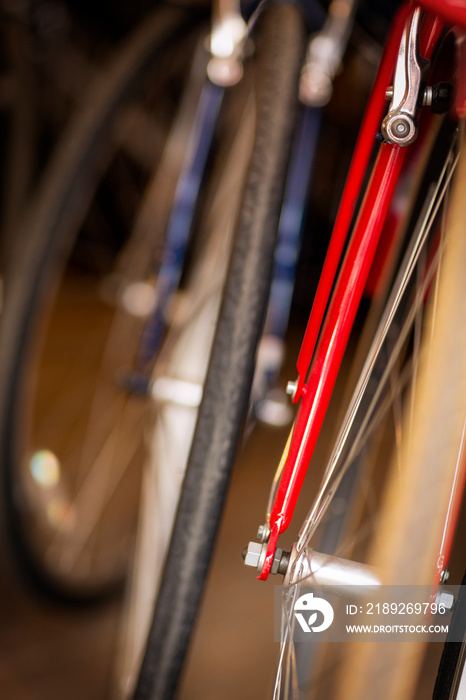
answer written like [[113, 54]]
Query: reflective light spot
[[61, 514], [227, 35], [274, 409], [139, 298], [45, 468], [177, 391]]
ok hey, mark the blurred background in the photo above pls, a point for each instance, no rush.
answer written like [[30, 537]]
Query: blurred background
[[53, 55]]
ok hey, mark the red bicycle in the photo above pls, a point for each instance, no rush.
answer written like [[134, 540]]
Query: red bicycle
[[411, 386]]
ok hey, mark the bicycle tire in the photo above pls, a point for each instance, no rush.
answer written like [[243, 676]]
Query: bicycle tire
[[47, 233], [177, 380], [280, 48]]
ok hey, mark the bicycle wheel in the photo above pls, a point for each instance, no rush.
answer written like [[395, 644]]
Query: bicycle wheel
[[65, 526], [407, 413], [280, 50], [417, 499]]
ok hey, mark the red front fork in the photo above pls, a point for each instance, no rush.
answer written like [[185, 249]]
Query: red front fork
[[315, 393]]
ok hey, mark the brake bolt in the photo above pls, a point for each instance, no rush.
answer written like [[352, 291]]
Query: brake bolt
[[263, 533], [400, 127]]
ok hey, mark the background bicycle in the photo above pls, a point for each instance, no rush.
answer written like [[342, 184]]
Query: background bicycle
[[82, 154]]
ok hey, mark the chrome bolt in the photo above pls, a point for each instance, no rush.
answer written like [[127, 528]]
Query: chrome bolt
[[427, 98], [446, 600], [444, 576], [400, 127], [252, 554], [292, 388], [263, 533]]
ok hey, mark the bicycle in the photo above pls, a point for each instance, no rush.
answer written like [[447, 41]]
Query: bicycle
[[371, 669], [232, 400], [59, 549]]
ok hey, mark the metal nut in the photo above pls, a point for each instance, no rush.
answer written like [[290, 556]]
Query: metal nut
[[253, 554], [291, 388], [446, 600]]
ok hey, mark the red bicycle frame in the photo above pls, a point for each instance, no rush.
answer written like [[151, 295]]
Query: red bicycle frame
[[314, 387]]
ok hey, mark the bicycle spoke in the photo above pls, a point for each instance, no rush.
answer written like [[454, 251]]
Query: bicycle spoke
[[336, 469], [100, 483]]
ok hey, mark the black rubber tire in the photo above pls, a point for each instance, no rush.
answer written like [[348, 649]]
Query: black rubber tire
[[44, 241], [280, 47]]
